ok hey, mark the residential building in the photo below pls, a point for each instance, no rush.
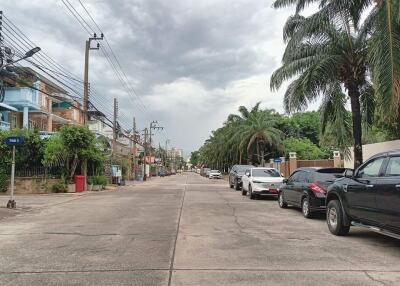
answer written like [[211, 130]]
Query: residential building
[[39, 104]]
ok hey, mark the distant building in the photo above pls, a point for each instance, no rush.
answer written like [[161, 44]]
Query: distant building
[[175, 152]]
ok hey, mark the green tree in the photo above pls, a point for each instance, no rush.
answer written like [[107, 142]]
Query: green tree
[[373, 45], [304, 148], [71, 146], [322, 56], [258, 132], [194, 158]]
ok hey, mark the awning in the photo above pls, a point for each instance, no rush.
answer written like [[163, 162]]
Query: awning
[[7, 107]]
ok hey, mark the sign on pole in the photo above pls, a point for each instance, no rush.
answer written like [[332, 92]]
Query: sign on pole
[[14, 141]]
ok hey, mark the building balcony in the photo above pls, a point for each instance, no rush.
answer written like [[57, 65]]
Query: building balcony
[[21, 97], [4, 126]]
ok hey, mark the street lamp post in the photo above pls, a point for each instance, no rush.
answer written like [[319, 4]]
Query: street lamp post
[[10, 62]]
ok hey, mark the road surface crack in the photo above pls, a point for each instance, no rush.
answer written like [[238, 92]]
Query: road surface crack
[[374, 279]]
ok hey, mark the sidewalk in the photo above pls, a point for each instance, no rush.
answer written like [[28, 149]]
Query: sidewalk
[[30, 202]]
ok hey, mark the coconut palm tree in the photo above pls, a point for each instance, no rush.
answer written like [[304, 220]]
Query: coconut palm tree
[[379, 39], [322, 56], [258, 132]]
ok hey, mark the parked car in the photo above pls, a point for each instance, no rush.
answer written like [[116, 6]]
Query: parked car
[[261, 182], [368, 197], [204, 171], [235, 175], [307, 187], [215, 174]]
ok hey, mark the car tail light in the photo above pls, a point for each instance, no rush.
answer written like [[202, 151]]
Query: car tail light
[[316, 189]]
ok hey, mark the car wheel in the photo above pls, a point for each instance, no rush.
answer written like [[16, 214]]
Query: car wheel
[[237, 188], [335, 218], [244, 193], [252, 195], [305, 208], [281, 201]]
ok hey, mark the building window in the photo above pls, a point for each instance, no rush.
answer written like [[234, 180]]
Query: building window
[[14, 121]]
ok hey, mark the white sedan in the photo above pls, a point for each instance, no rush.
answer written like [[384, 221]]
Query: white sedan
[[261, 182], [215, 174]]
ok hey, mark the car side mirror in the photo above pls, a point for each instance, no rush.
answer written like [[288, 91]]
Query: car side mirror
[[285, 181], [349, 173], [282, 175]]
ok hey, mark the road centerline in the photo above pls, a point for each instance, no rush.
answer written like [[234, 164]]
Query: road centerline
[[171, 267]]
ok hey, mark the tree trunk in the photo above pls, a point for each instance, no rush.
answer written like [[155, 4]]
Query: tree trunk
[[354, 95], [262, 158]]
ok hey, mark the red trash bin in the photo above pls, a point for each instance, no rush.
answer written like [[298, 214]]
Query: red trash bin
[[79, 184]]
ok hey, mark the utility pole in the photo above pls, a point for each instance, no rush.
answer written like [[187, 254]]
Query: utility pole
[[2, 91], [153, 126], [166, 152], [86, 91], [145, 154], [115, 117], [86, 74], [133, 148]]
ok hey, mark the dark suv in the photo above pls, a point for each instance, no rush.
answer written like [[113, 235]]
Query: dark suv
[[306, 188], [368, 196], [235, 175]]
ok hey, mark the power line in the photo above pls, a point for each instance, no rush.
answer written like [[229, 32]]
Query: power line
[[125, 82]]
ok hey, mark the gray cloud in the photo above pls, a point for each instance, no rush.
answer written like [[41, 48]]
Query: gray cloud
[[191, 62]]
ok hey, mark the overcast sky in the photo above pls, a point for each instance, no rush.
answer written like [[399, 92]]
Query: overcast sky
[[191, 62]]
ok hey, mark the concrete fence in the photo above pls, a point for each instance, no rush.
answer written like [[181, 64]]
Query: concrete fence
[[288, 167]]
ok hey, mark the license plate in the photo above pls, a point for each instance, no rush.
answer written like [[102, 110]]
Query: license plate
[[273, 190]]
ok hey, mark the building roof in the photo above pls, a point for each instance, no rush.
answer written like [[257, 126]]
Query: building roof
[[42, 78]]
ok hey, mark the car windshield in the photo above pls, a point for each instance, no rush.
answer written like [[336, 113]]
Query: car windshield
[[265, 173], [214, 171]]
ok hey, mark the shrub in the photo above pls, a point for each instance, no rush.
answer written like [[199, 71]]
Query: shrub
[[59, 188], [98, 180], [3, 182]]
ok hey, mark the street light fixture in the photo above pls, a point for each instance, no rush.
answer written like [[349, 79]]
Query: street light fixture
[[28, 54]]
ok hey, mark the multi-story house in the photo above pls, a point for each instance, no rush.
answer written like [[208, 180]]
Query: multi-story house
[[38, 103]]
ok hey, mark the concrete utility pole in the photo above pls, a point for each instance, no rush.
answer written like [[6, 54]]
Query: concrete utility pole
[[145, 154], [86, 74], [86, 92], [153, 126], [133, 149], [166, 152], [115, 118]]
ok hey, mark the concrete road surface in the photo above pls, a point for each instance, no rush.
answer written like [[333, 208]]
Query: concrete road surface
[[182, 230]]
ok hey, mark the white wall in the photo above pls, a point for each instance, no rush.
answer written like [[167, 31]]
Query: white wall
[[371, 149]]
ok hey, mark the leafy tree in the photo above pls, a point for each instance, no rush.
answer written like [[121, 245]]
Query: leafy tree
[[301, 125], [304, 148], [194, 158], [72, 146]]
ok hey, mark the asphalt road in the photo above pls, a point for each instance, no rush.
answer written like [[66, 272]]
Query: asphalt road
[[183, 230]]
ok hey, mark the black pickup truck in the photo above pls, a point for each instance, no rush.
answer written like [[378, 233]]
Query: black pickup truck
[[368, 196]]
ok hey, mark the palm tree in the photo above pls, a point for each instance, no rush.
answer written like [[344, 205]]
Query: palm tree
[[259, 132], [379, 40], [323, 56]]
